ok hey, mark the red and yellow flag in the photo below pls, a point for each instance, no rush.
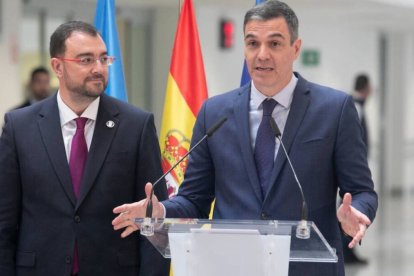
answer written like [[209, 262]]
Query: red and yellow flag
[[185, 93]]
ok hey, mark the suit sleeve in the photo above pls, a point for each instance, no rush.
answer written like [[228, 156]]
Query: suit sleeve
[[351, 165], [10, 192], [149, 169]]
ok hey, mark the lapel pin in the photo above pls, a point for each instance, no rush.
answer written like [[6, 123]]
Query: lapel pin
[[110, 124]]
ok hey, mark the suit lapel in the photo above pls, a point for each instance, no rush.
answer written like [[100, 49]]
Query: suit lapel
[[51, 132], [101, 142], [241, 112], [300, 103]]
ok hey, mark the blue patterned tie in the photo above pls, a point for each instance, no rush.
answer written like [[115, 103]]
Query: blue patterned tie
[[264, 150]]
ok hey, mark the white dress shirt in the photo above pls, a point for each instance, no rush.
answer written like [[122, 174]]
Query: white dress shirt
[[68, 124], [280, 113]]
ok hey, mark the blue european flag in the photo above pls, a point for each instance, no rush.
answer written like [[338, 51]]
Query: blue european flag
[[245, 78], [105, 23]]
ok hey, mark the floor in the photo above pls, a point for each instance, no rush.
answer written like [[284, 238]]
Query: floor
[[389, 243]]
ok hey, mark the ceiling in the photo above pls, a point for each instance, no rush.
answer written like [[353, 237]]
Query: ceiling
[[376, 13]]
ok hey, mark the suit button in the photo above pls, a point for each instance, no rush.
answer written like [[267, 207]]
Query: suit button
[[264, 216], [77, 219], [68, 259]]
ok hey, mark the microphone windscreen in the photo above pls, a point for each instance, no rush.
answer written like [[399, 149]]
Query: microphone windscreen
[[274, 127], [216, 126]]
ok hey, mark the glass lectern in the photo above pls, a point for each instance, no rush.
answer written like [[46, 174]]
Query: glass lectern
[[236, 247]]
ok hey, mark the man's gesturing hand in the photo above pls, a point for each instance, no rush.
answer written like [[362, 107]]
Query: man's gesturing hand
[[128, 212], [353, 222]]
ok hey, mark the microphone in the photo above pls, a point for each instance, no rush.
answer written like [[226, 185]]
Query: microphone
[[302, 230], [147, 227]]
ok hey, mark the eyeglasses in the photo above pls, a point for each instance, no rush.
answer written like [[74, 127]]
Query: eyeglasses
[[88, 61]]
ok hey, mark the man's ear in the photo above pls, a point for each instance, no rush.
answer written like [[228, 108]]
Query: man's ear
[[57, 66], [297, 45]]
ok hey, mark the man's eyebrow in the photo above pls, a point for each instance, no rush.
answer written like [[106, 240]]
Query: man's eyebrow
[[87, 54], [249, 36], [274, 35]]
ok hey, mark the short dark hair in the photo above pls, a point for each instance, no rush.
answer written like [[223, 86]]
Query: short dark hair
[[273, 9], [361, 82], [38, 70], [57, 45]]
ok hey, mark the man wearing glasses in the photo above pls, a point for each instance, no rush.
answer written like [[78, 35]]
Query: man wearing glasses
[[66, 161]]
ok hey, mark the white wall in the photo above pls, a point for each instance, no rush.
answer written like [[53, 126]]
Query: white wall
[[222, 67], [408, 105], [10, 94], [400, 102], [163, 33], [408, 3]]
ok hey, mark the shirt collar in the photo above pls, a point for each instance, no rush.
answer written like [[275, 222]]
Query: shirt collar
[[66, 114], [284, 97]]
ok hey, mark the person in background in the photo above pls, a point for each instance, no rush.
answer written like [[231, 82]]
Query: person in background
[[66, 161], [362, 90], [38, 87], [242, 166]]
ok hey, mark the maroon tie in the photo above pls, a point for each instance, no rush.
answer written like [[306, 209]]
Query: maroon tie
[[77, 161], [78, 154]]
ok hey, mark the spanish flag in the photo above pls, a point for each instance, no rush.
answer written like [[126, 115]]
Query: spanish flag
[[185, 93]]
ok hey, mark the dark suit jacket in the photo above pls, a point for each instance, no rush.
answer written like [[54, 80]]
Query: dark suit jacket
[[40, 218], [365, 134], [323, 138]]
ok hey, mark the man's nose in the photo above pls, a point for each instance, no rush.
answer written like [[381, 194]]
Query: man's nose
[[263, 53], [98, 66]]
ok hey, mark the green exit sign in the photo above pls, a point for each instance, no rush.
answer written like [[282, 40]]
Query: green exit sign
[[310, 57]]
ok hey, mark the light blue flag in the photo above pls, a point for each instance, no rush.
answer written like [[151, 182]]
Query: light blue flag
[[245, 78], [105, 23]]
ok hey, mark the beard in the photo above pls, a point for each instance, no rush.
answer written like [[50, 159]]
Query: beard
[[92, 86]]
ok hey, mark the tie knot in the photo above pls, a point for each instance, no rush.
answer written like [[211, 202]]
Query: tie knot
[[268, 106], [80, 122]]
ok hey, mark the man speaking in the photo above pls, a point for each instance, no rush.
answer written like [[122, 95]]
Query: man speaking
[[242, 166]]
